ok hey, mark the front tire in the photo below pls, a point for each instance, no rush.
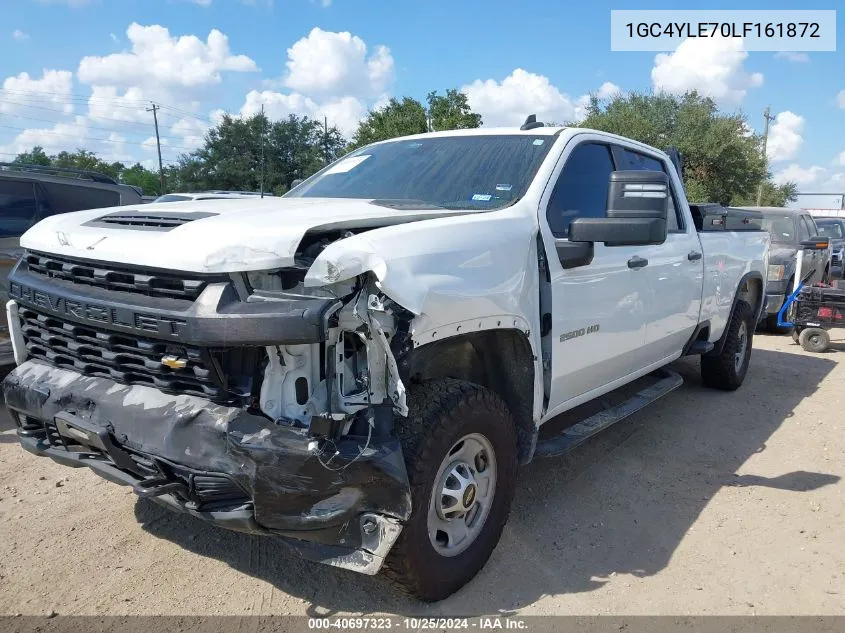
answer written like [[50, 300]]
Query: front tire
[[726, 371], [460, 448]]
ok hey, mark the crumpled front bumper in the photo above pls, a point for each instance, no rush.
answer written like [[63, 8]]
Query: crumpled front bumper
[[342, 507]]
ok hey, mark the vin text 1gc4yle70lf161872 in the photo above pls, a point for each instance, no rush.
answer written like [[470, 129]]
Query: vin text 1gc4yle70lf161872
[[361, 366]]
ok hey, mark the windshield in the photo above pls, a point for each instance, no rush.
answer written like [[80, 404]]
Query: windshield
[[780, 227], [455, 172], [832, 230], [171, 198]]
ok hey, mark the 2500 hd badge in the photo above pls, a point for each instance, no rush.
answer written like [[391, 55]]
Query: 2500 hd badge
[[568, 336]]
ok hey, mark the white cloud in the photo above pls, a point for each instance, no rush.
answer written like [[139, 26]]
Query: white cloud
[[712, 66], [191, 132], [19, 36], [840, 99], [799, 175], [52, 89], [343, 112], [68, 136], [785, 137], [792, 56], [114, 38], [519, 94], [334, 64], [840, 160], [203, 3], [107, 103], [158, 59], [71, 3], [608, 90]]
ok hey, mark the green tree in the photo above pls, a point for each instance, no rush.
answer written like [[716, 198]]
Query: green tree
[[140, 176], [772, 195], [452, 111], [396, 118], [722, 162], [35, 157]]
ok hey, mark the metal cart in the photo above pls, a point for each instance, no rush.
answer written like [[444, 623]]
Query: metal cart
[[812, 310]]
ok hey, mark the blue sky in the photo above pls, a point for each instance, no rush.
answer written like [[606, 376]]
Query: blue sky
[[511, 58]]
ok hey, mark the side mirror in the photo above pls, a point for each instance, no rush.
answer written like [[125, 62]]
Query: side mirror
[[637, 207], [816, 244], [296, 183]]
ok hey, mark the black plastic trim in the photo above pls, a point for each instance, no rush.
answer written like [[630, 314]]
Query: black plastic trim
[[574, 254], [217, 318], [701, 327]]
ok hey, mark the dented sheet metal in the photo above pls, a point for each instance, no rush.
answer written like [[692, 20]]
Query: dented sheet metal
[[289, 486]]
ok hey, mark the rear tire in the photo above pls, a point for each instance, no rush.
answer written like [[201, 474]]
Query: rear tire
[[726, 370], [814, 339], [455, 432]]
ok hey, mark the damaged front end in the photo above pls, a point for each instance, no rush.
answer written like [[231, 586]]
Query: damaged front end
[[245, 400]]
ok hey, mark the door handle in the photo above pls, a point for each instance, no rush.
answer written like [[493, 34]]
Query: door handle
[[637, 262], [694, 256]]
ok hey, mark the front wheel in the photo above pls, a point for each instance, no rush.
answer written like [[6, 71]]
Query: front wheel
[[796, 333], [459, 442], [727, 369]]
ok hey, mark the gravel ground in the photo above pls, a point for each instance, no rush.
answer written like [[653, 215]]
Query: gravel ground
[[704, 503]]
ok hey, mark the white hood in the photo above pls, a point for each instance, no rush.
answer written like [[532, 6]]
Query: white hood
[[245, 234]]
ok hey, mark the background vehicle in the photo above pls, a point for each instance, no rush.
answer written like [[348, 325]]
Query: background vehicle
[[208, 195], [788, 228], [361, 365], [834, 230], [30, 193]]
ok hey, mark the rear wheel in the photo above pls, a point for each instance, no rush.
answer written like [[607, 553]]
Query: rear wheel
[[459, 443], [727, 369], [814, 339]]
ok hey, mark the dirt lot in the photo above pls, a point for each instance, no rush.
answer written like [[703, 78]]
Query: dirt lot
[[705, 503]]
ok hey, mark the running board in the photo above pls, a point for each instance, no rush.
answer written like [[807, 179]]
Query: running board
[[666, 382]]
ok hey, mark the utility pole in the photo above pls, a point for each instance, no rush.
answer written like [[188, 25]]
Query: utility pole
[[154, 110], [326, 139], [263, 134], [768, 117]]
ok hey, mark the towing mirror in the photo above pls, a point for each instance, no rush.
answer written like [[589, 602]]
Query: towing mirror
[[816, 244], [637, 206]]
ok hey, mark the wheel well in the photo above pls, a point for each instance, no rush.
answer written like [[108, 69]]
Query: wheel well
[[500, 360], [751, 291]]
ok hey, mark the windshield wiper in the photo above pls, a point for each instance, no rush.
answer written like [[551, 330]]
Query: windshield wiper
[[405, 203]]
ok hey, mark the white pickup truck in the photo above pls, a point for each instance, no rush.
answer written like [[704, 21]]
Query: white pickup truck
[[361, 366]]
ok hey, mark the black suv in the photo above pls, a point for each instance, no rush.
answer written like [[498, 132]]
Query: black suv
[[29, 193]]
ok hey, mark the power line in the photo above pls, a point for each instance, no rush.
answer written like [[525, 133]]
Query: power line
[[91, 138], [88, 127]]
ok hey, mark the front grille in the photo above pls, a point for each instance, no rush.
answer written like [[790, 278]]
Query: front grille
[[118, 278], [122, 358]]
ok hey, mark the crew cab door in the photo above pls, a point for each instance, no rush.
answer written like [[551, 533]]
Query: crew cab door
[[598, 309], [675, 271]]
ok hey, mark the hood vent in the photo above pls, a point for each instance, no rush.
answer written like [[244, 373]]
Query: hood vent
[[147, 221]]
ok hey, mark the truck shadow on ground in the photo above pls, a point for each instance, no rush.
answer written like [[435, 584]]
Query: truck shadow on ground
[[620, 504]]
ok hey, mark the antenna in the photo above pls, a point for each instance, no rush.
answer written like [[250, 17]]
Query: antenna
[[531, 123]]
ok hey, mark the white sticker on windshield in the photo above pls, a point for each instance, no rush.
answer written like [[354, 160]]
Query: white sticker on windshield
[[347, 164], [482, 197], [538, 141], [504, 187]]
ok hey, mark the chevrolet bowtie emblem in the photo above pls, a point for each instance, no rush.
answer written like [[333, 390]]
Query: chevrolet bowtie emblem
[[174, 362]]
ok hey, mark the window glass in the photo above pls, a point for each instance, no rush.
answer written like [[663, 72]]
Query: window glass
[[803, 229], [832, 230], [581, 189], [481, 172], [634, 161], [65, 198], [17, 207]]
